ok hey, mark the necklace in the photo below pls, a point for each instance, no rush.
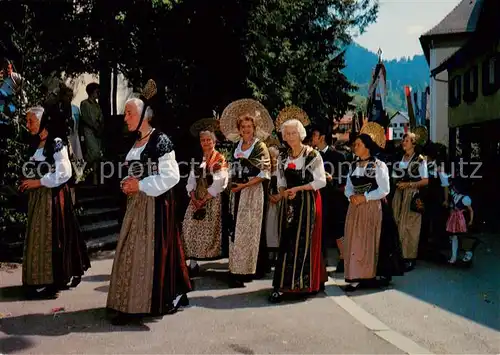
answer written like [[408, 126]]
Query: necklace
[[298, 155], [146, 136]]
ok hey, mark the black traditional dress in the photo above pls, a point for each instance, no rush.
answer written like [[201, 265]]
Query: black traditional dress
[[149, 270], [332, 196], [54, 250], [300, 267]]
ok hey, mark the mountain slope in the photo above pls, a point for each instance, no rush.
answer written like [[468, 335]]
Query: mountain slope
[[405, 71]]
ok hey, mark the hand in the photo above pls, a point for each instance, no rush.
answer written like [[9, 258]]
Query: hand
[[238, 187], [275, 198], [470, 223], [402, 185], [329, 177], [445, 204], [130, 186], [292, 192], [357, 199], [29, 184], [284, 194]]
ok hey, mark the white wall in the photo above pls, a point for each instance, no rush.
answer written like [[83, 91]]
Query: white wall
[[439, 94], [78, 85], [398, 123]]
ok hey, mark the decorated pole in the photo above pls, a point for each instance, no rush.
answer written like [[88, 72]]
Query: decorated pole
[[377, 93]]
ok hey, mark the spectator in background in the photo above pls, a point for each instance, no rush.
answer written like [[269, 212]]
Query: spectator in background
[[91, 126]]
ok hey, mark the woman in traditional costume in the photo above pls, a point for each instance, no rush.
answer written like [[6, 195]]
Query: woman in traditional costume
[[247, 122], [54, 249], [202, 225], [367, 249], [299, 268], [410, 175], [149, 275]]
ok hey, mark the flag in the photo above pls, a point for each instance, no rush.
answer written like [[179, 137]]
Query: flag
[[389, 134]]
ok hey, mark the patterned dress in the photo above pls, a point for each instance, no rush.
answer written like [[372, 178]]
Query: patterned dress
[[202, 229], [247, 239]]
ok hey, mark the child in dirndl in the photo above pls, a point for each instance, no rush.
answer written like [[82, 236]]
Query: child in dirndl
[[457, 224]]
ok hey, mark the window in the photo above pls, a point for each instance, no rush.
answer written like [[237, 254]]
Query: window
[[454, 91], [491, 74], [491, 70], [471, 84]]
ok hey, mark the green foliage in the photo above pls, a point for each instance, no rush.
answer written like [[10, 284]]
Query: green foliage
[[294, 57]]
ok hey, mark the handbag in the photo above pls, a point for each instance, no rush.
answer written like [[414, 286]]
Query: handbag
[[417, 203]]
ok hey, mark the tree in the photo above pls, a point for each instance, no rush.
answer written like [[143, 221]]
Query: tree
[[293, 52]]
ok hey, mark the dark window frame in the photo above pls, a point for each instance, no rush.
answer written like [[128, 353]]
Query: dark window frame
[[455, 84], [489, 89], [471, 79]]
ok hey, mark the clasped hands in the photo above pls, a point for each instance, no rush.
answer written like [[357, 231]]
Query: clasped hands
[[404, 185], [130, 186], [199, 204], [357, 199], [290, 193], [29, 184]]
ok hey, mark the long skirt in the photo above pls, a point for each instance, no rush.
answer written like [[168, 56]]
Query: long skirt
[[149, 270], [203, 238], [300, 265], [54, 249], [409, 223], [272, 235], [245, 241], [362, 240]]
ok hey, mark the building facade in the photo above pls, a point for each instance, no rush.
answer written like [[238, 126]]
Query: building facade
[[399, 123], [438, 44]]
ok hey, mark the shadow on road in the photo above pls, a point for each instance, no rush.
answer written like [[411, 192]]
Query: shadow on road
[[470, 293], [15, 293], [14, 344], [254, 299], [96, 278], [84, 321]]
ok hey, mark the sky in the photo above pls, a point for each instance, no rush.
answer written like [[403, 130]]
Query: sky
[[400, 24]]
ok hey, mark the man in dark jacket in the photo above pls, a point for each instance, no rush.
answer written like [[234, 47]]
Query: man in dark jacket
[[334, 202]]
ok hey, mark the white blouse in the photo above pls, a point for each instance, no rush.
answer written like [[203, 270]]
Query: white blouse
[[381, 176], [239, 153], [423, 171], [315, 167], [168, 173], [62, 164], [219, 184]]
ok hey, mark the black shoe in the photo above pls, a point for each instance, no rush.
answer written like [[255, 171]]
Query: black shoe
[[183, 302], [233, 283], [410, 265], [194, 271], [275, 297], [75, 281], [350, 288]]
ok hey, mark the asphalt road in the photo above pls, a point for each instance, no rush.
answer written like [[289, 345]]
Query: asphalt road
[[431, 310]]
